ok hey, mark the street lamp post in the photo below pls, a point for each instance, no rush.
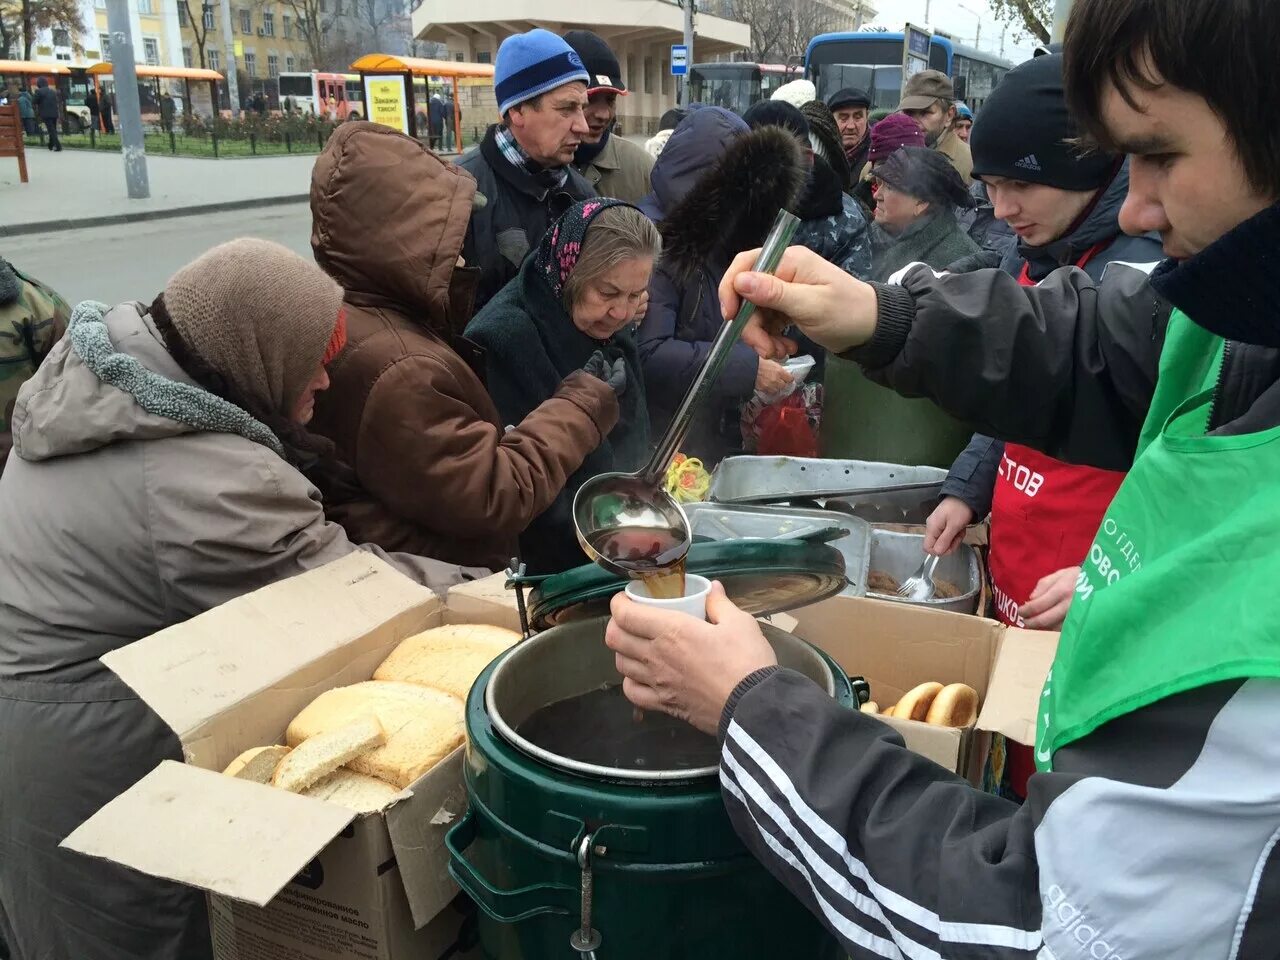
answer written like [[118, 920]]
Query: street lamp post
[[233, 84], [128, 108]]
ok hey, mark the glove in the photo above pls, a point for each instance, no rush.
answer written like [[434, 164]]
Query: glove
[[614, 375]]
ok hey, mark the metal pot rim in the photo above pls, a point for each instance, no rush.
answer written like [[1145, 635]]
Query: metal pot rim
[[559, 761]]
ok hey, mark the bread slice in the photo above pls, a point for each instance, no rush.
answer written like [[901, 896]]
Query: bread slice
[[257, 763], [352, 790], [446, 658], [956, 705], [870, 707], [422, 726], [318, 756], [915, 703]]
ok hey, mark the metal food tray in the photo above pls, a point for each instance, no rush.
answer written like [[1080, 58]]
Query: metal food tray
[[900, 555], [877, 492], [721, 522]]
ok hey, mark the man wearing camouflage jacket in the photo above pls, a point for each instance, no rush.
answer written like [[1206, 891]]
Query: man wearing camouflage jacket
[[32, 319]]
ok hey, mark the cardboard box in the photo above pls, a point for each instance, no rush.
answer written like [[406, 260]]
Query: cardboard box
[[334, 884], [897, 646]]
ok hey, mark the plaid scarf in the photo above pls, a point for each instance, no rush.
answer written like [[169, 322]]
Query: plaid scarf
[[515, 155]]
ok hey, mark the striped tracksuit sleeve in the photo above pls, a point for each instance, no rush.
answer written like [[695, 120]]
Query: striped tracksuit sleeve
[[897, 856]]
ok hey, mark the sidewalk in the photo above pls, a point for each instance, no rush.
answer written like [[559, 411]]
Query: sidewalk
[[81, 188]]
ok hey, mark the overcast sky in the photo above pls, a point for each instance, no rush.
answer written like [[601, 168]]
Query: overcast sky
[[960, 19]]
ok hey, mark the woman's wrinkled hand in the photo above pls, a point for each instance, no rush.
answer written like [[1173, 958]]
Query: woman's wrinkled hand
[[675, 664], [829, 306]]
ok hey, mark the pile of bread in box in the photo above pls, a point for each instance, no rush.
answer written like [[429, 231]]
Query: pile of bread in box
[[953, 705], [359, 746]]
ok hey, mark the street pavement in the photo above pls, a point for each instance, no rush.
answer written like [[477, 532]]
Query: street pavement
[[78, 185], [133, 261]]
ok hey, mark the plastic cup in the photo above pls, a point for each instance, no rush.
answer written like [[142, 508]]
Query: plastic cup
[[694, 601]]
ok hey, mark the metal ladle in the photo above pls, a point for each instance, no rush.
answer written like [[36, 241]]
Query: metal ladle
[[613, 502]]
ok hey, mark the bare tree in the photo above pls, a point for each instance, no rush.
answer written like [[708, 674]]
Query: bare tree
[[383, 21], [22, 20], [1036, 16], [781, 29], [314, 20], [199, 26]]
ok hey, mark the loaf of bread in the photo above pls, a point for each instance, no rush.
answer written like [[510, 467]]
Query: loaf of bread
[[422, 726], [915, 703], [318, 756], [352, 790], [446, 658], [956, 705], [257, 763]]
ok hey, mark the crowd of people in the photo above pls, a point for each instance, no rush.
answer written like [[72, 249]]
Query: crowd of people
[[472, 342]]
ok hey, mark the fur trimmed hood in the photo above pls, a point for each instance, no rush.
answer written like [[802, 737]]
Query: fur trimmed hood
[[717, 187]]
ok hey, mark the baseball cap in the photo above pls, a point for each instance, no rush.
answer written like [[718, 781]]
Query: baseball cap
[[600, 61], [924, 88]]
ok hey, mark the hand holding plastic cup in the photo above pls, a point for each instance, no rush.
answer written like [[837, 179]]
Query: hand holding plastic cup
[[694, 601]]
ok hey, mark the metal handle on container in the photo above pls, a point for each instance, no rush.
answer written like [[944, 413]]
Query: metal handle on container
[[505, 906], [775, 244]]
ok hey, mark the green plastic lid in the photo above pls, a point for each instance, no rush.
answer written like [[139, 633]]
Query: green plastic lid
[[762, 577]]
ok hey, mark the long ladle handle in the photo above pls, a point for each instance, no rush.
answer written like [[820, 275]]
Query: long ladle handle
[[779, 238]]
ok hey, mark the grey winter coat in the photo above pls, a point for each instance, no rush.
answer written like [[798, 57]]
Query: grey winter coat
[[119, 521], [972, 477]]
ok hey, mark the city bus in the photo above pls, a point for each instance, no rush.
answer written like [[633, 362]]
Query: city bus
[[872, 61], [311, 93], [736, 86]]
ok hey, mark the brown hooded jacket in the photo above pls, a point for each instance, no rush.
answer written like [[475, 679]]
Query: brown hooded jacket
[[407, 412]]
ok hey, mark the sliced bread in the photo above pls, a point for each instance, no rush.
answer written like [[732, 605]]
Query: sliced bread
[[352, 790], [446, 658], [318, 756], [257, 763], [422, 726]]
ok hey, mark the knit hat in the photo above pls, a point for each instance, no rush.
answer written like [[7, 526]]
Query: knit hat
[[824, 137], [260, 315], [963, 111], [600, 61], [797, 93], [1024, 132], [653, 146], [894, 131], [777, 113], [530, 64], [925, 174], [848, 97]]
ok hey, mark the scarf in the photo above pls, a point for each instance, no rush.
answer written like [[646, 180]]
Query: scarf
[[1232, 286], [513, 153], [561, 246], [587, 152]]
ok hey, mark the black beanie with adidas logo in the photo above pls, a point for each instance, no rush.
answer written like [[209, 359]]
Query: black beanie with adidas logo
[[1023, 132]]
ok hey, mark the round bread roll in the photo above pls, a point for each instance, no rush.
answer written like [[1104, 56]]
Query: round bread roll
[[915, 703], [956, 705], [870, 707]]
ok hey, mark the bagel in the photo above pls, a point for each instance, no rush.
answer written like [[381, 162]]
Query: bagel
[[955, 705], [915, 703]]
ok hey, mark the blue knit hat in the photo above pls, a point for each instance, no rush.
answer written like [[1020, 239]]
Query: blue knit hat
[[532, 63]]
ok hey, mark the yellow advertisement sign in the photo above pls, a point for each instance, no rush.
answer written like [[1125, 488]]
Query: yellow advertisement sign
[[386, 101], [237, 47]]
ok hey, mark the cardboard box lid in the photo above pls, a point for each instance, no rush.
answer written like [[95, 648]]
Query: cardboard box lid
[[1023, 659], [195, 827], [195, 671]]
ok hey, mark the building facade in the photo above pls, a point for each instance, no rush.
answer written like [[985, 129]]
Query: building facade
[[640, 32]]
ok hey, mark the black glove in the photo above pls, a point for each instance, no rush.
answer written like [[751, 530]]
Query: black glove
[[613, 374]]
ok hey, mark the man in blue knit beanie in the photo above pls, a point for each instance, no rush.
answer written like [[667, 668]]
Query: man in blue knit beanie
[[523, 166]]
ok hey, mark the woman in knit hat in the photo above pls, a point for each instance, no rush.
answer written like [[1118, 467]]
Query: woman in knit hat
[[154, 475], [917, 191], [894, 131]]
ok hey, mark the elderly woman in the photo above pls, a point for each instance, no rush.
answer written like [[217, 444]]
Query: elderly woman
[[438, 473], [572, 305], [917, 191], [887, 135], [154, 475]]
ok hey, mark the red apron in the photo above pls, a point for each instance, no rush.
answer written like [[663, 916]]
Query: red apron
[[1044, 515]]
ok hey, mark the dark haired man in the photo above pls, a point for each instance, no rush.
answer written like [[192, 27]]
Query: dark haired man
[[1151, 830], [524, 166]]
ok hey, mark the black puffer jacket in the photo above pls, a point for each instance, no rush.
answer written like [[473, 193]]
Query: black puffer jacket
[[717, 188], [519, 207]]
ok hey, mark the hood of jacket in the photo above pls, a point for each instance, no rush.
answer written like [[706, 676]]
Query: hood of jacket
[[1100, 225], [10, 285], [111, 380], [727, 193], [388, 220]]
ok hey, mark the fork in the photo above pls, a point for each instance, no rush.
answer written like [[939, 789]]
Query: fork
[[919, 586]]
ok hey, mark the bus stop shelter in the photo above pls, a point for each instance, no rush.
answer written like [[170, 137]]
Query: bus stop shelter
[[188, 76], [388, 87]]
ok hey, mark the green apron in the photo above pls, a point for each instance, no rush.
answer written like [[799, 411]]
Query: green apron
[[1181, 587]]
